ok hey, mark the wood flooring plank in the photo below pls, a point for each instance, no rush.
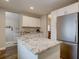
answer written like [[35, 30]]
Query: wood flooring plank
[[9, 53]]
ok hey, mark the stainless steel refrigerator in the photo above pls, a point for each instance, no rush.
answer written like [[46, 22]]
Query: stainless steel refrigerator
[[67, 32]]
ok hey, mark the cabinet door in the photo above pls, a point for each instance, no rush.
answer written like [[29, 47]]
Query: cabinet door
[[26, 21], [31, 22], [37, 22]]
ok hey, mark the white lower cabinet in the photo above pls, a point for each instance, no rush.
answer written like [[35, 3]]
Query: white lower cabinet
[[24, 53]]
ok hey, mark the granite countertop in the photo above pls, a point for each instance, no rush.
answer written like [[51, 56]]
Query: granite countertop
[[38, 45]]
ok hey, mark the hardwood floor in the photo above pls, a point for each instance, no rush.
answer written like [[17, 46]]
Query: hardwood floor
[[9, 53]]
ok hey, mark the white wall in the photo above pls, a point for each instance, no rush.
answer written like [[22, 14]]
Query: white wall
[[2, 29], [53, 27], [13, 20], [44, 25]]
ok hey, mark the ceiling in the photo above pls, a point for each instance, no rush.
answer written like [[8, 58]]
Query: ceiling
[[41, 7]]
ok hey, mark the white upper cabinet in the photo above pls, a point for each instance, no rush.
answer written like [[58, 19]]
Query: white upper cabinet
[[30, 22]]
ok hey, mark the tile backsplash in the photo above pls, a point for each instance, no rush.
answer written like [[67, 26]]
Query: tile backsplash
[[29, 29]]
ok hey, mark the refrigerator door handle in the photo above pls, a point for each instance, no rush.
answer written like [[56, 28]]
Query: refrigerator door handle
[[75, 39]]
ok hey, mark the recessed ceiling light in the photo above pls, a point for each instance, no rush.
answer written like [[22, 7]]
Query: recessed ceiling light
[[7, 0], [32, 8]]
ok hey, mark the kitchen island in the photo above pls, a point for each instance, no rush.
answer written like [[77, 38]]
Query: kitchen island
[[38, 48]]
